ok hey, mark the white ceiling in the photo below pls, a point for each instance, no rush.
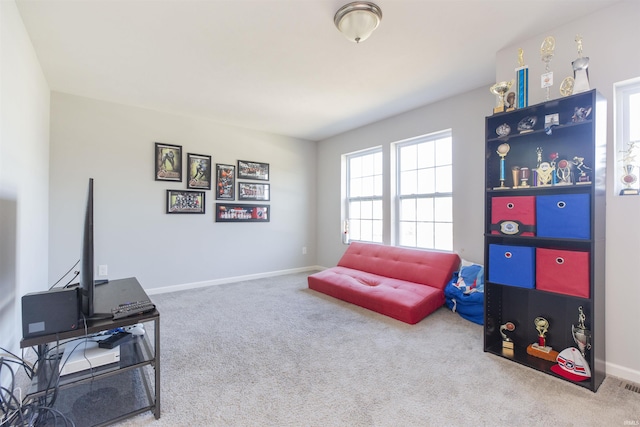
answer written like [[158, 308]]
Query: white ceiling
[[280, 66]]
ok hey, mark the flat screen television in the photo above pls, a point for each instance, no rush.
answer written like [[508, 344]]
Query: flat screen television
[[87, 283]]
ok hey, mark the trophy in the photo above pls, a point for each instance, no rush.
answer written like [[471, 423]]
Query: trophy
[[515, 174], [583, 178], [546, 53], [542, 326], [566, 87], [502, 151], [544, 174], [581, 335], [522, 77], [580, 70], [524, 177], [552, 158], [563, 172], [541, 349], [628, 178], [500, 90], [507, 343]]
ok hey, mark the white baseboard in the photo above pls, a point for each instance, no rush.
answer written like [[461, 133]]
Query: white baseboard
[[623, 372], [195, 285]]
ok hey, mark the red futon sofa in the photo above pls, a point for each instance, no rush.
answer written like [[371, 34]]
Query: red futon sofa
[[406, 284]]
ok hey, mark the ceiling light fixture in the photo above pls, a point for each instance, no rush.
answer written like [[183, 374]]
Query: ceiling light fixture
[[357, 20]]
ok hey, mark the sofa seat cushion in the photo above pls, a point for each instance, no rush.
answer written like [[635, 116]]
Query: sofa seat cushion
[[402, 300], [432, 268]]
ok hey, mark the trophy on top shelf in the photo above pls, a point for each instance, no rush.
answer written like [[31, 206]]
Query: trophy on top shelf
[[628, 166], [541, 349], [546, 53], [502, 151], [580, 70], [581, 335], [522, 82], [500, 89]]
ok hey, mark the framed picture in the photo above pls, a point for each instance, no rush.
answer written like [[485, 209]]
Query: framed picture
[[199, 171], [179, 201], [226, 212], [253, 170], [225, 182], [168, 162], [253, 191]]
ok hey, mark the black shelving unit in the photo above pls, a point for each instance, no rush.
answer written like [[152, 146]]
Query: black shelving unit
[[575, 134]]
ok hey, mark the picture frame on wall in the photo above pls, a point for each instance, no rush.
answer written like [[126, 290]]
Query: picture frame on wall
[[253, 170], [240, 212], [185, 202], [168, 161], [225, 182], [253, 191], [199, 171]]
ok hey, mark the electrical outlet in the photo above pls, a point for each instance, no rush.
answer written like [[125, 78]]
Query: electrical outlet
[[304, 250], [102, 270]]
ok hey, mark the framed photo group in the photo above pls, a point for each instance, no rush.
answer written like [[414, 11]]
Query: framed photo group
[[198, 173]]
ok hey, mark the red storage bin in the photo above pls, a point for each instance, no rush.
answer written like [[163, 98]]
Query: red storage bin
[[513, 215], [562, 272]]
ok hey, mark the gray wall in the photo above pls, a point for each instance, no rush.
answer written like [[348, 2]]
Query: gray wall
[[114, 144], [610, 40], [24, 168], [464, 114]]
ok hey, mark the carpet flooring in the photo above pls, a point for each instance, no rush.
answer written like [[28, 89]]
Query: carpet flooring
[[271, 352]]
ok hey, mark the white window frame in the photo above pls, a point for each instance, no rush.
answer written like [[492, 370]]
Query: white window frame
[[433, 238], [352, 228], [623, 129]]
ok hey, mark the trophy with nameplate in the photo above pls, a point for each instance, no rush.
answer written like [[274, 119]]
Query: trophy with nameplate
[[580, 70], [500, 89], [507, 342], [546, 54], [541, 349], [581, 335], [502, 151], [522, 82], [628, 178], [583, 177]]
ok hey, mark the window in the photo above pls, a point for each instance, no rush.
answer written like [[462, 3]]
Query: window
[[627, 135], [425, 192], [364, 195]]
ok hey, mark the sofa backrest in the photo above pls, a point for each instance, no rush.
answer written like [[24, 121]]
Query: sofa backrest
[[427, 267]]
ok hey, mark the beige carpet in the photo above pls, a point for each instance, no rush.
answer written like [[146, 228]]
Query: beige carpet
[[271, 352]]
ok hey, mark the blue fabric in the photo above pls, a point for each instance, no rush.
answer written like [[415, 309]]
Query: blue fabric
[[465, 293]]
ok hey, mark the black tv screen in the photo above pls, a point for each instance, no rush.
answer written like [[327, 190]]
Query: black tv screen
[[87, 284]]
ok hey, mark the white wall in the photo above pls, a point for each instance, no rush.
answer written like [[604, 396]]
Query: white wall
[[24, 169], [610, 40], [465, 115], [114, 144]]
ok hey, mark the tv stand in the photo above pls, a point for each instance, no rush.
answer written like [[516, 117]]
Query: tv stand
[[105, 394]]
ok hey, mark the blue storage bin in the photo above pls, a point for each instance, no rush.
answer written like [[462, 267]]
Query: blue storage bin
[[512, 265], [564, 215]]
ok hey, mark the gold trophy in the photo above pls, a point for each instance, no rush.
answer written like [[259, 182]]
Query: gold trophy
[[541, 349], [546, 53], [507, 343], [524, 177], [580, 70], [563, 172], [581, 335], [500, 90], [515, 174], [628, 166], [502, 151]]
